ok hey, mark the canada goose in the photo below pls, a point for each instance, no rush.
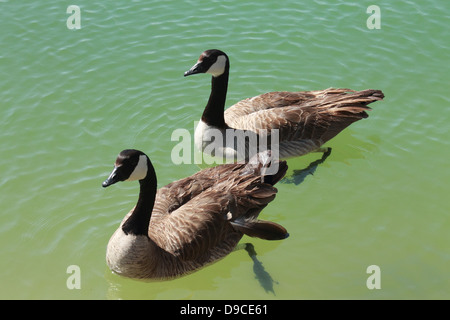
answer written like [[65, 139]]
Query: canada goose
[[305, 120], [191, 222]]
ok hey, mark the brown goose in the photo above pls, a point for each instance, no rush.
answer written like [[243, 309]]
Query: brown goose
[[191, 222], [305, 120]]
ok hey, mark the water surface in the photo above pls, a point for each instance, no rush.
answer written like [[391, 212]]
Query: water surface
[[70, 100]]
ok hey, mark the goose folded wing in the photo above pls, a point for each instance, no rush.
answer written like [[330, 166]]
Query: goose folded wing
[[195, 229], [315, 115]]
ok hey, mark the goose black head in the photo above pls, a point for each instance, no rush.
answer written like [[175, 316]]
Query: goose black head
[[214, 62], [130, 165]]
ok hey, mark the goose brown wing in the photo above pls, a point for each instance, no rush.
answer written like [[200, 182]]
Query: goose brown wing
[[314, 115], [178, 193], [201, 227], [195, 229], [189, 214]]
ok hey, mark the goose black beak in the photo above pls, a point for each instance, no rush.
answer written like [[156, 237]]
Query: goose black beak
[[113, 178], [196, 68]]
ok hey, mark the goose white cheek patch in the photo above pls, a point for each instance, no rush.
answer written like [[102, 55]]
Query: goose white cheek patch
[[218, 67], [140, 172]]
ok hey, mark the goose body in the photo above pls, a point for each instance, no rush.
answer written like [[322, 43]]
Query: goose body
[[191, 222], [295, 122]]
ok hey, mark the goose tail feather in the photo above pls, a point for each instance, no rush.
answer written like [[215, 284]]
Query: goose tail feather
[[266, 230], [265, 171]]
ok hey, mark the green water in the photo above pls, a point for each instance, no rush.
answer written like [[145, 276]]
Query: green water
[[70, 100]]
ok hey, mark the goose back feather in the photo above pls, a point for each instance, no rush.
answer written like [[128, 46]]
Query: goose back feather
[[305, 120]]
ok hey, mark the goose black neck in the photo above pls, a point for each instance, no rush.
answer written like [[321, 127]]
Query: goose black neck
[[139, 220], [214, 110]]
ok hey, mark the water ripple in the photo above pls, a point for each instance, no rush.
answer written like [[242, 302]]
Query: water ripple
[[71, 100]]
